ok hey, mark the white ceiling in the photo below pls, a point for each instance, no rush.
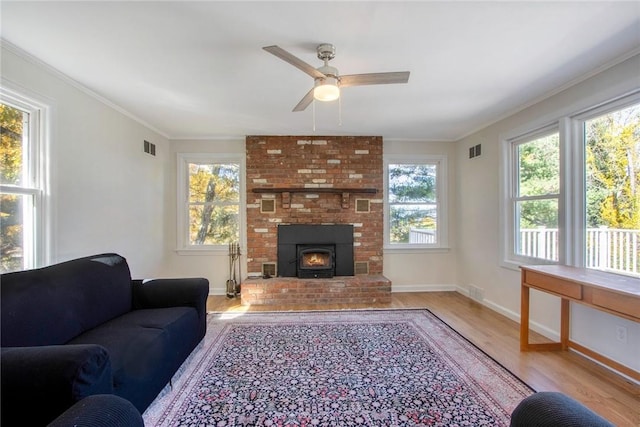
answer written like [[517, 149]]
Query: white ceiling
[[197, 69]]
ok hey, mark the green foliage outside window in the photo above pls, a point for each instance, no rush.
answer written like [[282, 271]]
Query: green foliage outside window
[[412, 201], [613, 169], [214, 203], [539, 176], [11, 155]]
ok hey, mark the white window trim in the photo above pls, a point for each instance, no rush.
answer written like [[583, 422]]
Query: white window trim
[[40, 125], [183, 247], [576, 124], [442, 231], [508, 179], [571, 216]]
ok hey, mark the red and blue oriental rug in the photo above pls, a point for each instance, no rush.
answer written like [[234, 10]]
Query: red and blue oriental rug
[[337, 368]]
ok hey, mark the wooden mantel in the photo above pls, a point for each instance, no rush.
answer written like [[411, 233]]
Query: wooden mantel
[[286, 193]]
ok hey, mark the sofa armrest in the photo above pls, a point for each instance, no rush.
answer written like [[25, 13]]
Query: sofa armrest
[[162, 293], [55, 376], [100, 410], [553, 409]]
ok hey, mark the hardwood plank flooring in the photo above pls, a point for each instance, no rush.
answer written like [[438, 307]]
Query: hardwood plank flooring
[[612, 396]]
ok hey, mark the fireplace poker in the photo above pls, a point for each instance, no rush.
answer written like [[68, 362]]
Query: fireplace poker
[[231, 286]]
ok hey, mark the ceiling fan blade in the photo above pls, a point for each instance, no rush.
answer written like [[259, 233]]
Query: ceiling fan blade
[[374, 79], [293, 60], [304, 102]]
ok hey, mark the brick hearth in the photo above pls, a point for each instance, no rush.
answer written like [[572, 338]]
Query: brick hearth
[[365, 289]]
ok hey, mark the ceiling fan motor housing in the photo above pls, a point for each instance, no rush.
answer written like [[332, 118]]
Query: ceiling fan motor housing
[[326, 51], [328, 71]]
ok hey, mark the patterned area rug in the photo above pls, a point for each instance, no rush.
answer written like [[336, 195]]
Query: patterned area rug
[[337, 368]]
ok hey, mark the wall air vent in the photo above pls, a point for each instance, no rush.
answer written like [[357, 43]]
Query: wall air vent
[[149, 148], [362, 205], [361, 267], [268, 269], [267, 206]]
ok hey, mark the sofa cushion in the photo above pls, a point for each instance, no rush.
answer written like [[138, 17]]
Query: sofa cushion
[[68, 298], [54, 376], [164, 336]]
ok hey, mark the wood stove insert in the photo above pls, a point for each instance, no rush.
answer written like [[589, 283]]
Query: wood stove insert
[[316, 261], [315, 251]]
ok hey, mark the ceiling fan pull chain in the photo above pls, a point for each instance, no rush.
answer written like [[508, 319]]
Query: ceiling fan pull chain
[[340, 111], [314, 114]]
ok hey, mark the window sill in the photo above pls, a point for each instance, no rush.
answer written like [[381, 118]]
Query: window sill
[[515, 264], [416, 250], [203, 251]]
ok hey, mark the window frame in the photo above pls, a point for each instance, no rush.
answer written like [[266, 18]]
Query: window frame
[[36, 253], [442, 234], [571, 209], [511, 195], [183, 159]]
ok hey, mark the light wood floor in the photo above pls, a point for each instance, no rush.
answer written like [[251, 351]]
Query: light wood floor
[[605, 392]]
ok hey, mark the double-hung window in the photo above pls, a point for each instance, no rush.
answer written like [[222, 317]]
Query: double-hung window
[[535, 195], [209, 201], [415, 202], [609, 137], [23, 182], [572, 190]]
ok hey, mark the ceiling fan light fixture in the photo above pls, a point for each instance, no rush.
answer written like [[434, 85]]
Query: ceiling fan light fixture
[[326, 89]]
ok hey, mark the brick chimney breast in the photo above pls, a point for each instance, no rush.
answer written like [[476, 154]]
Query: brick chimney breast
[[318, 170]]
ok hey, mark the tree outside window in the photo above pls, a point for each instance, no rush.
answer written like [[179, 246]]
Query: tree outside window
[[415, 208], [21, 185], [213, 203], [603, 192], [612, 159], [537, 196]]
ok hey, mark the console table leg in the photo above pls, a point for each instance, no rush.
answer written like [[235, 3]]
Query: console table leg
[[564, 323], [524, 318]]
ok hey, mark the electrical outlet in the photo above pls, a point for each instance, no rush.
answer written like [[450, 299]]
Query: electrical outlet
[[621, 333]]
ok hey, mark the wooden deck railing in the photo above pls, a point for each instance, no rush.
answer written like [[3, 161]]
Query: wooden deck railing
[[607, 248]]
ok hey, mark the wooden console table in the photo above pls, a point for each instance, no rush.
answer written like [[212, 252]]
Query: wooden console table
[[613, 293]]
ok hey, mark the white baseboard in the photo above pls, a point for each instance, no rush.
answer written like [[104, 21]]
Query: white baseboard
[[422, 288], [536, 327]]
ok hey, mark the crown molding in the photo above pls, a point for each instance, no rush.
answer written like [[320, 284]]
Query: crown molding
[[620, 59], [84, 89]]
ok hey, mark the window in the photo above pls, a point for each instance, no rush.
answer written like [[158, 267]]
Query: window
[[415, 201], [209, 197], [572, 191], [23, 183], [536, 195], [612, 189]]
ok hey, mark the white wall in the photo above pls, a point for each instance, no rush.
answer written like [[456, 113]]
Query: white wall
[[479, 228], [214, 265], [425, 270], [107, 194]]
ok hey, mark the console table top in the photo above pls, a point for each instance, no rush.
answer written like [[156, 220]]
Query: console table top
[[595, 278]]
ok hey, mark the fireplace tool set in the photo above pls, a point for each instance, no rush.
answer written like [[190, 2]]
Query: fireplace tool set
[[233, 286]]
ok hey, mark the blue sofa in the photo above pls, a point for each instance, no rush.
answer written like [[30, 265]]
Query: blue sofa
[[100, 410], [84, 327], [554, 409]]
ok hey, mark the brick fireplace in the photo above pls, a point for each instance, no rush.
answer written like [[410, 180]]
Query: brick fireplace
[[319, 180]]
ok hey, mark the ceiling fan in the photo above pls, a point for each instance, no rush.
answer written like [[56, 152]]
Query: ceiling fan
[[327, 81]]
